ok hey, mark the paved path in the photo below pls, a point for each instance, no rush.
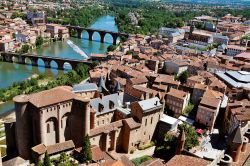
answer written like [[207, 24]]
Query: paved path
[[140, 153]]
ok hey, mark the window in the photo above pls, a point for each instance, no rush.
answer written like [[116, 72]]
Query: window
[[111, 105], [151, 120], [146, 122], [61, 123], [97, 123], [144, 132], [149, 137], [102, 121], [100, 108], [48, 128]]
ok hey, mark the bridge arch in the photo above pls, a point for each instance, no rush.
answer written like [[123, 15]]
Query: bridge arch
[[96, 36], [108, 38], [15, 59], [41, 62], [67, 66], [1, 57], [28, 61], [53, 64]]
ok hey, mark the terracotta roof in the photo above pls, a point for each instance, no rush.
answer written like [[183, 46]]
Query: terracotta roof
[[97, 153], [144, 89], [183, 160], [59, 147], [162, 78], [209, 102], [126, 161], [122, 81], [200, 86], [177, 93], [49, 97], [107, 128], [139, 80], [236, 47], [238, 136], [155, 162], [39, 149], [16, 161], [132, 124]]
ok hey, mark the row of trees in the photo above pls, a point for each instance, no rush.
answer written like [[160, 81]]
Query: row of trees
[[32, 85], [153, 16], [82, 17]]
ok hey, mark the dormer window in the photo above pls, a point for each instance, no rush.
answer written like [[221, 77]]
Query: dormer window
[[100, 107], [111, 104]]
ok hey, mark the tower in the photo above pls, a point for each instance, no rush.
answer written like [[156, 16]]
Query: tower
[[22, 125], [181, 142]]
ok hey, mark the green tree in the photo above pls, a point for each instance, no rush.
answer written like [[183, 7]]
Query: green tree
[[111, 48], [189, 108], [183, 77], [85, 154], [24, 49], [39, 41], [47, 161], [64, 160], [191, 136], [40, 163]]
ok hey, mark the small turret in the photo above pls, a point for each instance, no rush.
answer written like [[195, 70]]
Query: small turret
[[181, 142]]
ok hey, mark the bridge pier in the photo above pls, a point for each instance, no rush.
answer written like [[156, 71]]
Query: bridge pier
[[34, 62], [47, 63], [8, 58], [90, 32], [73, 65], [60, 65], [102, 35], [70, 31], [79, 33], [21, 60], [114, 36]]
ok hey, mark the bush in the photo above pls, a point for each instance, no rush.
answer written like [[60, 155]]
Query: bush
[[111, 48], [140, 160], [191, 136], [148, 145], [189, 108]]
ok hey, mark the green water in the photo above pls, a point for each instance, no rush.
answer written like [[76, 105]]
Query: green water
[[10, 73]]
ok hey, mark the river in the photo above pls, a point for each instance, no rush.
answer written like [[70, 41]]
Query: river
[[10, 73]]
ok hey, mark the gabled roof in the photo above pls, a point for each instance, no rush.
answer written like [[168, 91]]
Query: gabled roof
[[149, 104], [238, 137], [50, 97], [132, 124]]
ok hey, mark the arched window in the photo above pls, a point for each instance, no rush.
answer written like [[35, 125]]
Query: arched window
[[48, 128], [61, 123]]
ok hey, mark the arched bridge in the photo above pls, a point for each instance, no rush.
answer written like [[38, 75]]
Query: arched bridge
[[33, 59], [91, 31]]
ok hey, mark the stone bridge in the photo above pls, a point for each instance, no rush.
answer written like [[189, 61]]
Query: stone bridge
[[91, 31], [33, 60]]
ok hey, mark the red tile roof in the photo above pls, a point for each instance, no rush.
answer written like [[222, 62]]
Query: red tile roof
[[183, 160], [52, 96]]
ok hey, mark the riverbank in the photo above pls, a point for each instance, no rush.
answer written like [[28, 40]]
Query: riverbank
[[8, 116], [11, 72]]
